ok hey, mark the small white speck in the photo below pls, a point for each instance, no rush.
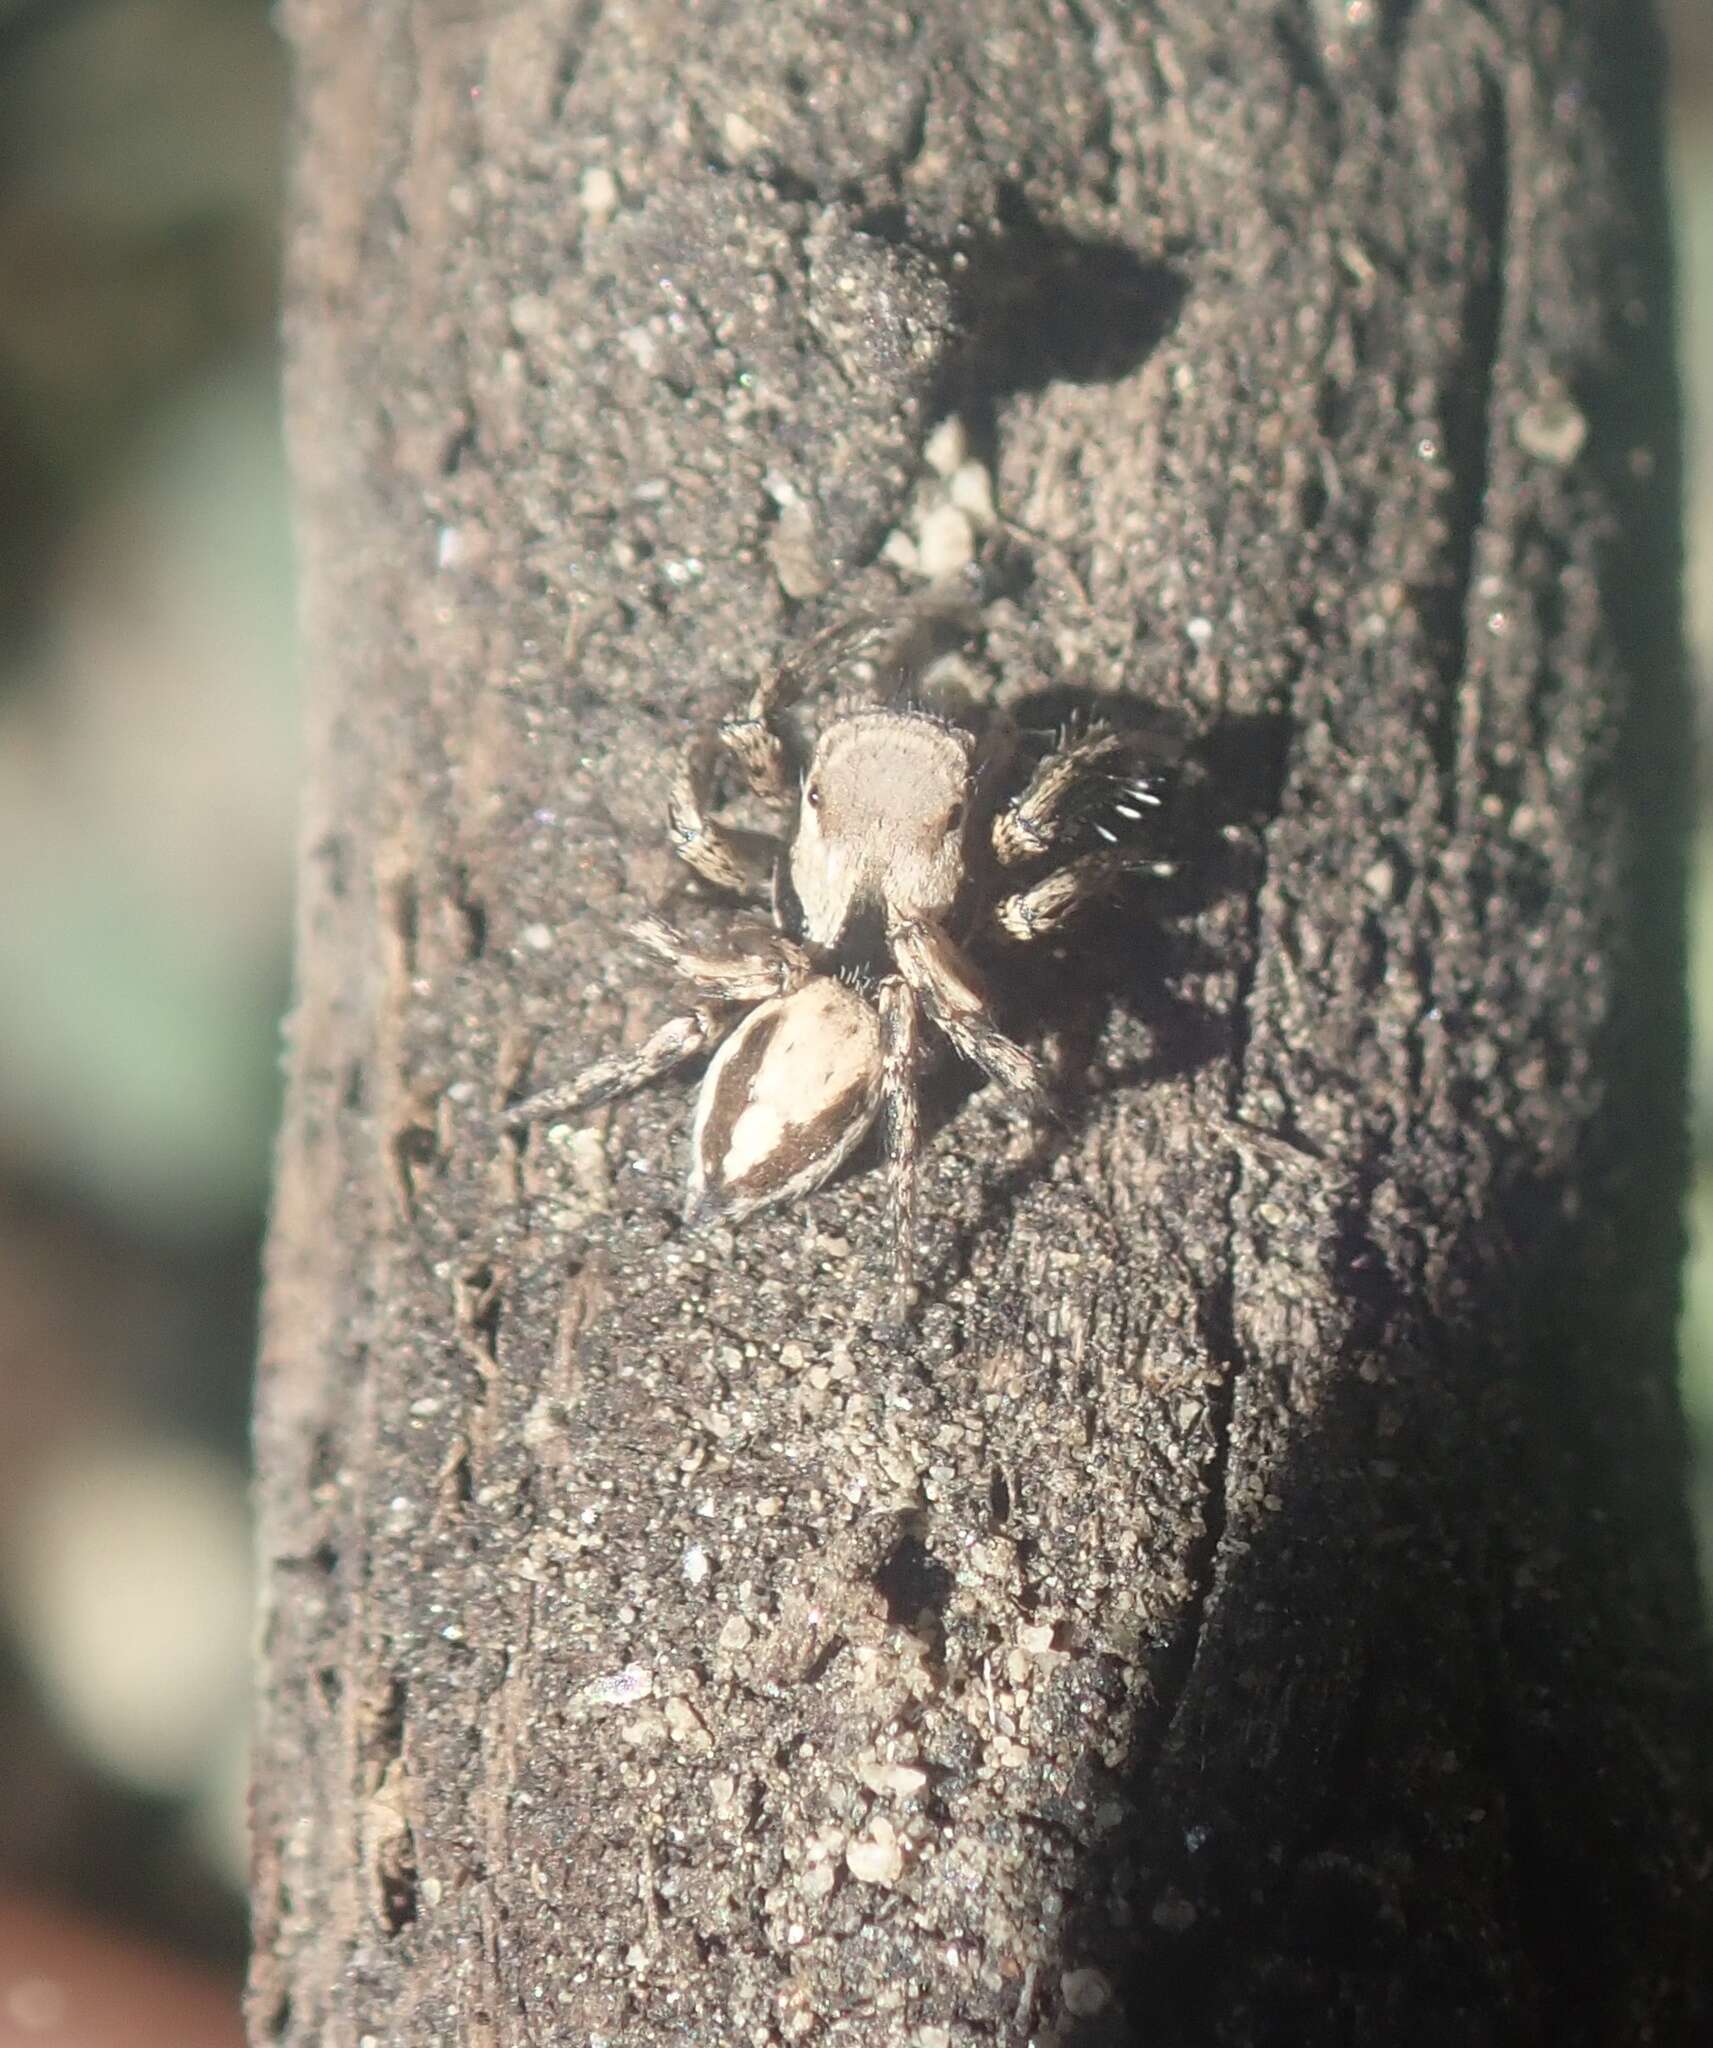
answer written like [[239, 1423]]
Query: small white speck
[[946, 542], [643, 348], [696, 1565], [448, 548], [876, 1858], [537, 937], [598, 193], [620, 1688], [1553, 430], [896, 1781], [972, 492], [530, 315], [1199, 631], [794, 552], [947, 447]]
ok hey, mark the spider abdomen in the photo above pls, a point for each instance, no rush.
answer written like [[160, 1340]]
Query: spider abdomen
[[788, 1098]]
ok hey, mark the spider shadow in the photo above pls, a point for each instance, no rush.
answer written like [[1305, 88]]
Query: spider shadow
[[1142, 955]]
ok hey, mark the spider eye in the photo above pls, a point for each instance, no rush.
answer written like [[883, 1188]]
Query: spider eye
[[812, 796]]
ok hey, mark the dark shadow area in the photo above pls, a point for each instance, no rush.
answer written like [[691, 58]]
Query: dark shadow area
[[914, 1584], [1382, 1787], [1040, 305], [1137, 952]]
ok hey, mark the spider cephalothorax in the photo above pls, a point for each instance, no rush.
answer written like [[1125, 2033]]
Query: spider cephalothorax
[[909, 850]]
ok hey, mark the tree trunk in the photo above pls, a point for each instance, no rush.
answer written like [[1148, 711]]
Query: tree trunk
[[1255, 1603]]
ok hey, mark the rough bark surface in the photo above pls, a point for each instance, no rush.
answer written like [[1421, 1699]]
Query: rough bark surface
[[1256, 1604]]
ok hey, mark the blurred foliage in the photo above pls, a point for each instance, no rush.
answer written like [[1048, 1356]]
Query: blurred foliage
[[148, 763], [147, 771]]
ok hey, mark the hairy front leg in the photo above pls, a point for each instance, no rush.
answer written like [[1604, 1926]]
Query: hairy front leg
[[729, 856], [756, 740], [624, 1073], [775, 969], [1095, 772], [951, 992], [1050, 904], [901, 1058]]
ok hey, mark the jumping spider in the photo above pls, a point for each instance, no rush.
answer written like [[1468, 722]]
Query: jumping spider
[[903, 853]]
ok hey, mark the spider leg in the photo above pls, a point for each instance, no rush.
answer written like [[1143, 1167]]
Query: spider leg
[[623, 1073], [756, 740], [863, 636], [1035, 821], [763, 747], [775, 970], [764, 754], [1050, 904], [900, 1052], [726, 855], [938, 972]]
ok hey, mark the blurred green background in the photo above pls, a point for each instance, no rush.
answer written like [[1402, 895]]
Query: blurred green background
[[148, 769], [148, 760]]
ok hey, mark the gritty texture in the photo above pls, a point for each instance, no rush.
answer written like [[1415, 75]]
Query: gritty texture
[[1255, 1604]]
